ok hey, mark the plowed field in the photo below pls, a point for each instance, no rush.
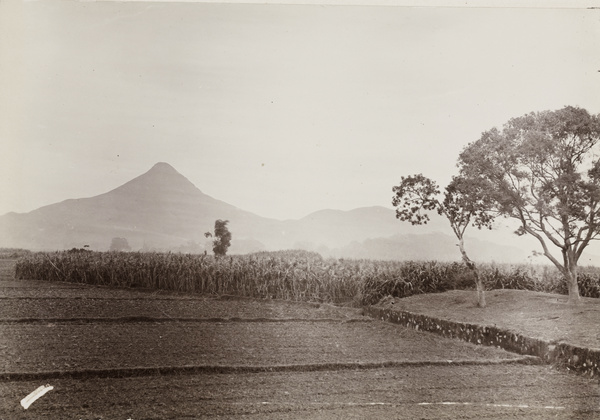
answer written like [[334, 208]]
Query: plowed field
[[127, 354]]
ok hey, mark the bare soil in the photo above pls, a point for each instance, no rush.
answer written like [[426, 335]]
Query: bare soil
[[103, 302], [101, 346], [419, 392], [537, 315]]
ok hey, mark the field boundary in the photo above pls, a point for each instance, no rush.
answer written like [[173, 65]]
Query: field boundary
[[149, 319], [98, 298], [239, 369], [580, 359]]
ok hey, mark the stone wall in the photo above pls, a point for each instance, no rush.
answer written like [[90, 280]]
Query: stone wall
[[583, 360]]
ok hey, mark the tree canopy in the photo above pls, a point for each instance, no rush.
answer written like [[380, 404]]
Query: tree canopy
[[463, 204], [222, 237], [543, 169], [119, 244]]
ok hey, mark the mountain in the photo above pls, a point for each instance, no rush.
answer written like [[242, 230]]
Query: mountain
[[429, 246], [162, 210], [159, 209], [328, 230]]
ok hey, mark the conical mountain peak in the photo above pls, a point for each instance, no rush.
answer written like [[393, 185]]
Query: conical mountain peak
[[162, 177], [162, 167]]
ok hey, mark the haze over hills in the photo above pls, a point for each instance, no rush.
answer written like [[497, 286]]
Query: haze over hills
[[162, 210]]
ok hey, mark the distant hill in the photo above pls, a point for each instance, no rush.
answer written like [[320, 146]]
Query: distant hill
[[336, 228], [430, 246], [162, 210]]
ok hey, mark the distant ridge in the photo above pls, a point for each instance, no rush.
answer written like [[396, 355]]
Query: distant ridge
[[162, 210]]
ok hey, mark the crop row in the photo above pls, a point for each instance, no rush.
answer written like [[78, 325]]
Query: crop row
[[297, 275]]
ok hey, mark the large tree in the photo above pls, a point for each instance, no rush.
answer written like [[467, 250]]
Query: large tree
[[463, 204], [543, 169]]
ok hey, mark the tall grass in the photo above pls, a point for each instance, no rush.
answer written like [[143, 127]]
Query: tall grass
[[278, 276], [290, 275]]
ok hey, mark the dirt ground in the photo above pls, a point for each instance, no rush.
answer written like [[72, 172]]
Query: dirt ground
[[128, 354], [418, 392], [29, 302], [533, 314]]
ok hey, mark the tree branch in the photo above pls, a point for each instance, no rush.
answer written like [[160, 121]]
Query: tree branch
[[547, 253], [539, 237]]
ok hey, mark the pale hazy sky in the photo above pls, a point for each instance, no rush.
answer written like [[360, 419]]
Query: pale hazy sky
[[277, 109]]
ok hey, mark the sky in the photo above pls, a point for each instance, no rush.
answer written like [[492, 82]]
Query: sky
[[278, 109]]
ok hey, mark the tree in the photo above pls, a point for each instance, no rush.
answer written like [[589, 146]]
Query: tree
[[119, 244], [222, 237], [463, 204], [543, 169]]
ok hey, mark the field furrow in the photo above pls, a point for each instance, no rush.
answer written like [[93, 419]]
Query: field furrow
[[424, 392], [74, 346], [165, 307]]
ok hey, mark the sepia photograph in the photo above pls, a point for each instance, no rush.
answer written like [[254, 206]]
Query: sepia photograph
[[286, 209]]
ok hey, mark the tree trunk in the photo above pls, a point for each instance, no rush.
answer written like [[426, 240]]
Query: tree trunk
[[573, 286], [471, 265], [480, 289]]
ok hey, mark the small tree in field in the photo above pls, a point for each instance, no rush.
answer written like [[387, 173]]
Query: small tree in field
[[119, 244], [222, 237], [543, 169], [462, 205]]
